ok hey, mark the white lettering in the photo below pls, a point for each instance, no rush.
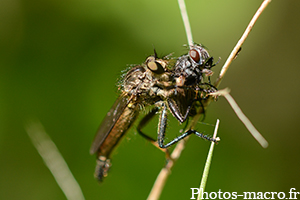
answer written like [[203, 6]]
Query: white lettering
[[234, 195], [265, 195], [193, 192], [273, 194], [260, 195], [283, 195], [292, 193], [219, 194], [227, 193], [213, 193], [249, 193]]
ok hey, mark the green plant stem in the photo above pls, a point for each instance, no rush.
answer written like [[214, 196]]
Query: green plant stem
[[207, 164]]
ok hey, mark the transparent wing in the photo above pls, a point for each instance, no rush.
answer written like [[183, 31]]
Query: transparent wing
[[109, 122]]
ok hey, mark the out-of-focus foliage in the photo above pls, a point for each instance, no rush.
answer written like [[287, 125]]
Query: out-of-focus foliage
[[59, 62]]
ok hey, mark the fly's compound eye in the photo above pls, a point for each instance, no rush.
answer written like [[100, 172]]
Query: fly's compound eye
[[195, 55], [154, 66]]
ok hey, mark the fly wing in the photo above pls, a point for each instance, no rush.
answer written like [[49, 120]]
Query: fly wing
[[109, 122]]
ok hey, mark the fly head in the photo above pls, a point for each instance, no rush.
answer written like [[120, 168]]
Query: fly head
[[190, 68]]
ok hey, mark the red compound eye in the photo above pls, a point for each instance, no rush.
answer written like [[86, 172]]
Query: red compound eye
[[194, 54]]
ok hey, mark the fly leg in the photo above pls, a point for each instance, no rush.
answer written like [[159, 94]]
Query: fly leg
[[143, 123], [185, 126], [162, 130]]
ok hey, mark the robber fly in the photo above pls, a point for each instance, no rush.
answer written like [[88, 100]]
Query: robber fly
[[173, 85]]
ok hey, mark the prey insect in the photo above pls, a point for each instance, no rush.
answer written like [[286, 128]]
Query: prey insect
[[175, 85]]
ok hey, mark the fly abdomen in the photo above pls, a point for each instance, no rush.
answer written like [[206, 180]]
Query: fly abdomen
[[102, 167], [121, 126]]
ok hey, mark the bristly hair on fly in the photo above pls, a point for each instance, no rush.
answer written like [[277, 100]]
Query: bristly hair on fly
[[169, 57]]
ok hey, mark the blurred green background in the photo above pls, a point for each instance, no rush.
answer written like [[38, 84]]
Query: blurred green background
[[59, 63]]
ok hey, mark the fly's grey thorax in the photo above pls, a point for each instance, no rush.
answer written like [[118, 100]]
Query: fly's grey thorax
[[186, 72]]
